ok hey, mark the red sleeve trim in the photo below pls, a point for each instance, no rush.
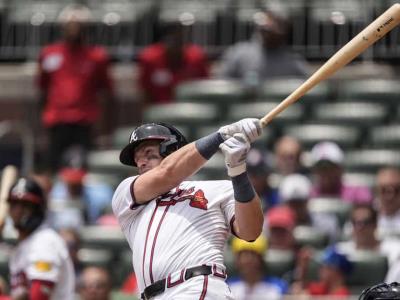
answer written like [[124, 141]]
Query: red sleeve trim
[[232, 227], [40, 290], [134, 205]]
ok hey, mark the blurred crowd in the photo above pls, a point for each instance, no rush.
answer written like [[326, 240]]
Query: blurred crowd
[[312, 214]]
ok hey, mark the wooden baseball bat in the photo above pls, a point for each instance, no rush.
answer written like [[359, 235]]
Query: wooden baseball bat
[[373, 32], [8, 178]]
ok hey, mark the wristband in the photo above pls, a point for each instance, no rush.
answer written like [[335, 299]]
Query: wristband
[[243, 190], [209, 145]]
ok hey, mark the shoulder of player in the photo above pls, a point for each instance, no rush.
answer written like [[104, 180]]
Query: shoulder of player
[[122, 187]]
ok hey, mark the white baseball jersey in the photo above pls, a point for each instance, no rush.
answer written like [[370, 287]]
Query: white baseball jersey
[[43, 255], [185, 227]]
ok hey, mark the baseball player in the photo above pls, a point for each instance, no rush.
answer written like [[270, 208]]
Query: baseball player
[[382, 291], [40, 266], [177, 229]]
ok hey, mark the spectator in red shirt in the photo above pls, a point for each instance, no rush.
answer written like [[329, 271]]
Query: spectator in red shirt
[[165, 64], [71, 76]]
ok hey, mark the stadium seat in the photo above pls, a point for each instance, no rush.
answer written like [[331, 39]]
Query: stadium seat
[[293, 113], [354, 113], [310, 237], [95, 257], [369, 268], [4, 258], [102, 237], [310, 134], [334, 206], [360, 179], [385, 136], [279, 89], [213, 169], [382, 90], [107, 161], [188, 114], [218, 91], [279, 262], [370, 160]]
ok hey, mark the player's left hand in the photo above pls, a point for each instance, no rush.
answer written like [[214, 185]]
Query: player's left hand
[[250, 127], [235, 150]]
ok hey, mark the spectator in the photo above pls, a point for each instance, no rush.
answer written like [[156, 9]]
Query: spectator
[[74, 200], [265, 56], [288, 152], [388, 198], [258, 170], [327, 171], [332, 274], [364, 237], [280, 222], [253, 283], [169, 62], [71, 75], [95, 284], [40, 265], [294, 191], [73, 241]]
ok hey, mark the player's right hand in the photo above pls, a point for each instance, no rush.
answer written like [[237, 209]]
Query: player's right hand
[[235, 150], [250, 127]]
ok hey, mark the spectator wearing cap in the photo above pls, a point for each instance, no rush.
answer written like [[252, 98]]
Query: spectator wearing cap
[[74, 200], [388, 200], [333, 270], [258, 171], [73, 78], [280, 222], [253, 283], [294, 192], [266, 55], [327, 171], [163, 65]]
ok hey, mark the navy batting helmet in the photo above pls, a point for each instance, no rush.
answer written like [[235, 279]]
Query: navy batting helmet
[[26, 190], [382, 291], [170, 137]]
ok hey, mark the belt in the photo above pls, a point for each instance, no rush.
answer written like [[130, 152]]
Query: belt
[[159, 286]]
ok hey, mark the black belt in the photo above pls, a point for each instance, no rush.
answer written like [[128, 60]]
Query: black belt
[[158, 287]]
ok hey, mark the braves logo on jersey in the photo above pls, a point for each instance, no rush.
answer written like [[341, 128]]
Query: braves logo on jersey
[[196, 198]]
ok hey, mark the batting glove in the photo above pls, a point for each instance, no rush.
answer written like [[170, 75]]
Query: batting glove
[[250, 127], [235, 150]]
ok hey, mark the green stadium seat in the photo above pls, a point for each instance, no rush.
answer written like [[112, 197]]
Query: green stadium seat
[[310, 237], [292, 114], [370, 268], [370, 160], [117, 295], [214, 169], [311, 134], [354, 113], [279, 262], [95, 257], [334, 206], [107, 161], [218, 91], [279, 89], [190, 115], [382, 90], [103, 237], [385, 136]]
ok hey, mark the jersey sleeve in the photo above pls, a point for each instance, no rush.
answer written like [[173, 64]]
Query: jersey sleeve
[[228, 203], [44, 262], [123, 202]]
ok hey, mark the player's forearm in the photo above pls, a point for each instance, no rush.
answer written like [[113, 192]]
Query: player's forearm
[[248, 219]]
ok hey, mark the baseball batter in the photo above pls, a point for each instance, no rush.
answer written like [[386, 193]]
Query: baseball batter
[[40, 266], [176, 228]]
